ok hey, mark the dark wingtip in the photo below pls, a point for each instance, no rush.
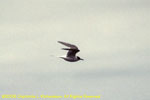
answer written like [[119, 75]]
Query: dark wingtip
[[58, 41], [81, 59]]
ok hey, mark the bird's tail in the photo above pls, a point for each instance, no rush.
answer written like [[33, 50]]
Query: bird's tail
[[66, 49]]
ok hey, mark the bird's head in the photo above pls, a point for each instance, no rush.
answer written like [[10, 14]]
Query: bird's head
[[80, 58]]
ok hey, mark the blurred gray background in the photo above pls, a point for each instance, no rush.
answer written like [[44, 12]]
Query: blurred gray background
[[113, 36]]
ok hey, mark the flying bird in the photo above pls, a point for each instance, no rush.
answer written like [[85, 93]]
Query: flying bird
[[71, 54]]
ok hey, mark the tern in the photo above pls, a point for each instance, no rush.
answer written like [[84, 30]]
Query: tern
[[71, 54]]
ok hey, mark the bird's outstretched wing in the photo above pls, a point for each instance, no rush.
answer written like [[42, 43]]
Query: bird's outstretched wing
[[72, 50], [68, 45]]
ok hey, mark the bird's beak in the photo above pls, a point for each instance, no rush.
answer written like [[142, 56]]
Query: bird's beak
[[81, 59]]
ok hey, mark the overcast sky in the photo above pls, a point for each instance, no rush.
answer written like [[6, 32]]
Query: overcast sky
[[113, 36]]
